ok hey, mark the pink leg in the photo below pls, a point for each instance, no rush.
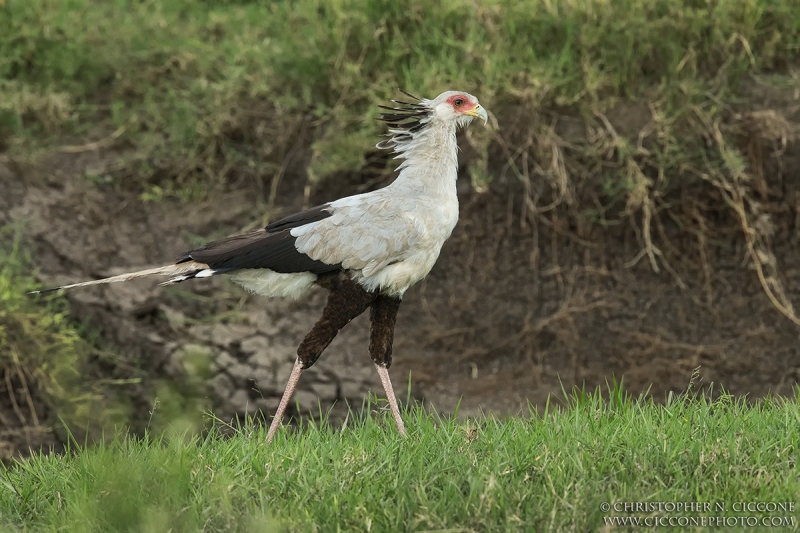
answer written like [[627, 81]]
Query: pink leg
[[383, 372], [291, 385], [347, 300]]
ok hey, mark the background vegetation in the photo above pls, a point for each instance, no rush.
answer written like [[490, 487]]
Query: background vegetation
[[662, 98], [201, 93]]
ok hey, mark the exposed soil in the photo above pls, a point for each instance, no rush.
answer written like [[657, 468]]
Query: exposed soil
[[517, 307]]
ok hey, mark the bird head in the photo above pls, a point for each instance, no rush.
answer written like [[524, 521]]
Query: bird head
[[458, 106], [406, 119]]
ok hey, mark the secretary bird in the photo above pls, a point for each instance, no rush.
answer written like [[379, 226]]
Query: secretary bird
[[366, 250]]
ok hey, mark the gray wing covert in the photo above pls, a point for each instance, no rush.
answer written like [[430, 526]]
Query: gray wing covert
[[361, 234]]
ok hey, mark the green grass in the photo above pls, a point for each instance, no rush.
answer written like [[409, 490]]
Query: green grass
[[549, 472]]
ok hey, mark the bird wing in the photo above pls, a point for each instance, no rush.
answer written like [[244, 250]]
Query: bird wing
[[272, 247], [364, 232]]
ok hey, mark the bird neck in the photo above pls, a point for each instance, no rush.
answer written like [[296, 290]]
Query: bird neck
[[430, 165]]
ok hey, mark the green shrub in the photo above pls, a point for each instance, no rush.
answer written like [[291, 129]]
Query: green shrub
[[44, 376]]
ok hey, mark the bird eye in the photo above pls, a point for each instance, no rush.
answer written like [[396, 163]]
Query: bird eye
[[458, 102]]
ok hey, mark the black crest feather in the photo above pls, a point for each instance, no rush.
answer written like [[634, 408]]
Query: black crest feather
[[407, 116]]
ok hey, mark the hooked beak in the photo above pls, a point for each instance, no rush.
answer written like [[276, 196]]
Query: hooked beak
[[479, 112]]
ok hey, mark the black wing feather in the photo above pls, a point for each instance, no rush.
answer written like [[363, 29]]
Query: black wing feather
[[315, 214], [272, 247]]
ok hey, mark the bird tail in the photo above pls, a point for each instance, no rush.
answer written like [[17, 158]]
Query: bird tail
[[179, 272]]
